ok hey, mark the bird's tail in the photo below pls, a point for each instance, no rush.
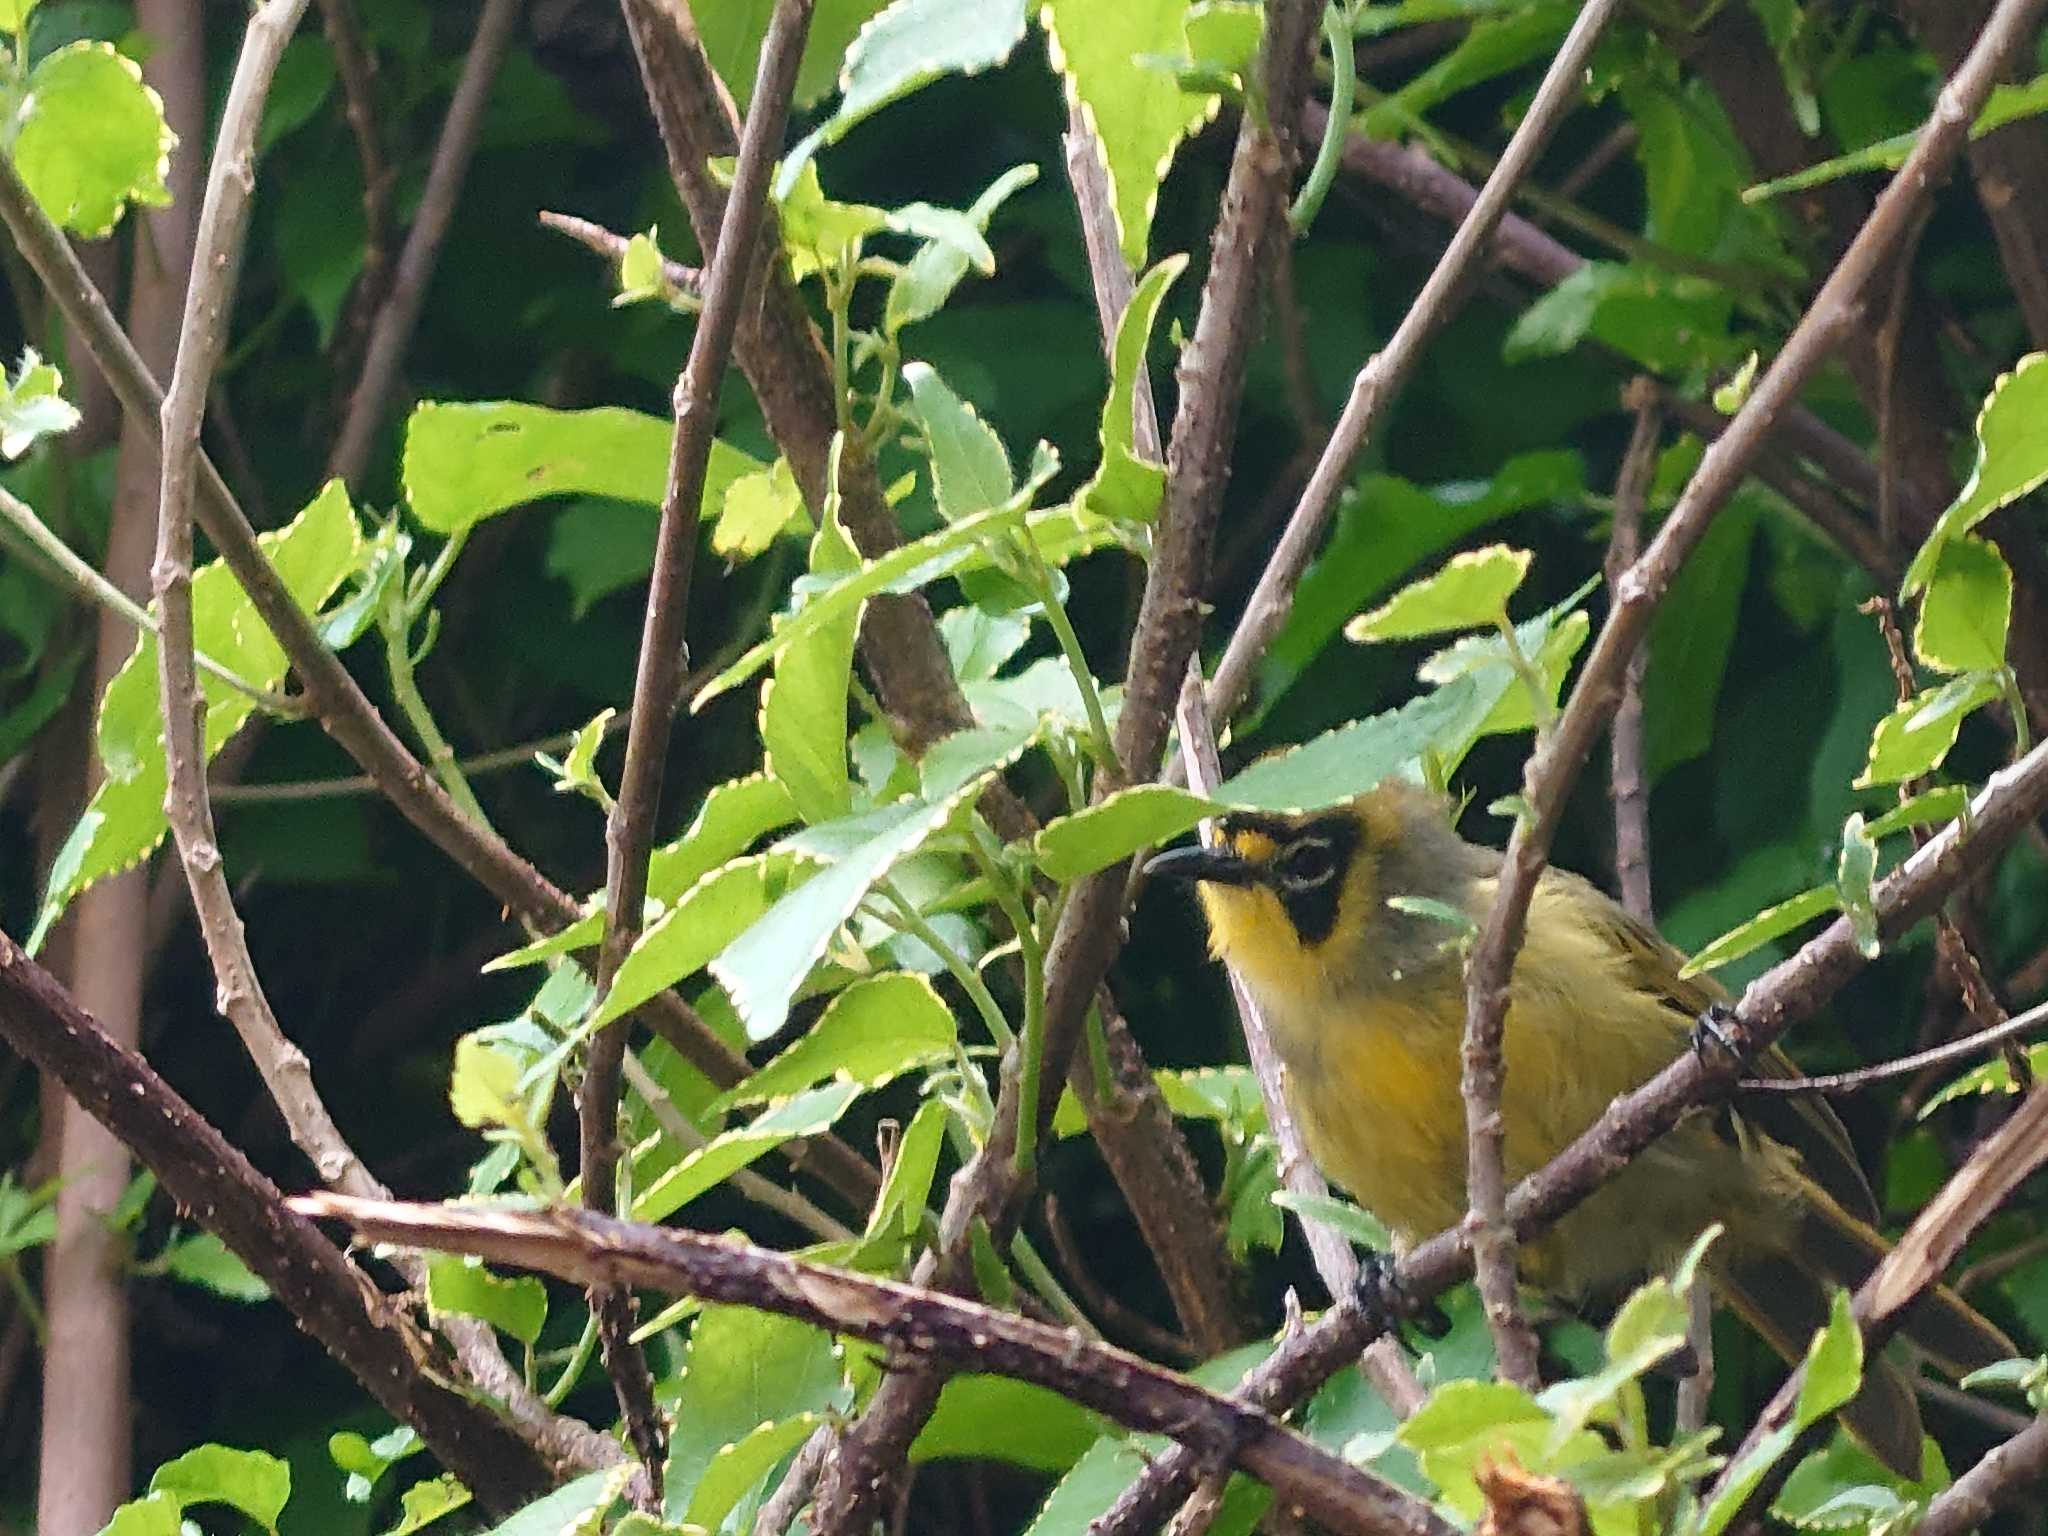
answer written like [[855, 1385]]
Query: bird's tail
[[1784, 1296]]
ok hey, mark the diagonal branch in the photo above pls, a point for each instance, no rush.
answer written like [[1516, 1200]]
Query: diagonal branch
[[1554, 766], [327, 1296], [398, 313], [1791, 991], [629, 831], [916, 1323]]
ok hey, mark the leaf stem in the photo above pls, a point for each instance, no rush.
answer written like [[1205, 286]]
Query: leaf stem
[[395, 621], [1343, 83], [1047, 593], [913, 922]]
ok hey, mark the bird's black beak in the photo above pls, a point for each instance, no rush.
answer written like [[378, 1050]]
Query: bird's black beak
[[1218, 866]]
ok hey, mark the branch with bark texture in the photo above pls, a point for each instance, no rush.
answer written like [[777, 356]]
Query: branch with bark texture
[[1561, 752], [912, 1323], [326, 1295], [990, 1190], [1789, 992], [398, 309], [1971, 1197], [629, 830]]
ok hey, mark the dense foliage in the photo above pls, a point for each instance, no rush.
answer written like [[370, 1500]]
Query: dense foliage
[[873, 890]]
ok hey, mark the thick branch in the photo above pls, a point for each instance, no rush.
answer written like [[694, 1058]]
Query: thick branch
[[2000, 1477], [919, 1323], [327, 1296]]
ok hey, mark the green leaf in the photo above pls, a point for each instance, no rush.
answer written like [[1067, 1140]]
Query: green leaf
[[313, 554], [155, 1515], [1926, 809], [484, 1088], [970, 470], [469, 460], [576, 773], [1326, 771], [742, 1370], [905, 568], [760, 507], [1490, 48], [1472, 590], [810, 1113], [925, 282], [1126, 486], [1548, 641], [1358, 1227], [871, 1033], [1917, 736], [89, 138], [425, 1502], [1991, 1077], [979, 642], [1771, 923], [554, 1513], [1855, 871], [254, 1482], [732, 33], [762, 968], [32, 405], [803, 710], [1140, 114], [14, 14], [1691, 637], [995, 1418], [738, 1469], [1670, 322], [710, 915], [518, 1305], [907, 46], [1728, 397], [1965, 609], [908, 1183], [204, 1260], [2012, 459]]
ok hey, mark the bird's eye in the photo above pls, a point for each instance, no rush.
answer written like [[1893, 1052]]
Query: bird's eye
[[1308, 861]]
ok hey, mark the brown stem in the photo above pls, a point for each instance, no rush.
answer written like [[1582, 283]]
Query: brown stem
[[2000, 1477], [399, 312], [629, 831], [1628, 781], [1991, 1037], [326, 1295], [913, 1322], [357, 68], [612, 246]]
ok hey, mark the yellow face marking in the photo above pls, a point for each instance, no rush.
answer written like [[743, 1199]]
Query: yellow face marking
[[1253, 844]]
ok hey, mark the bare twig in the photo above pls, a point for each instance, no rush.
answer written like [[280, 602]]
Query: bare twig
[[326, 1294], [1979, 1188], [629, 832], [612, 246], [399, 312], [1381, 379], [1628, 780], [357, 69], [2001, 1476], [594, 1249], [1988, 1039], [1791, 991], [1554, 766]]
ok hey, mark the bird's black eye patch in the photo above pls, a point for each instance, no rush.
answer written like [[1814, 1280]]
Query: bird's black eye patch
[[1308, 861]]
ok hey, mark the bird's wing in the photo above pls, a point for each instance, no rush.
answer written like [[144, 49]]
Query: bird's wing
[[1804, 1124]]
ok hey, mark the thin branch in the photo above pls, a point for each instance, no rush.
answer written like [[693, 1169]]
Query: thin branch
[[326, 1294], [95, 588], [1384, 374], [1791, 991], [989, 1191], [1551, 770], [399, 313], [1905, 1066], [912, 1322], [629, 832], [2001, 1476], [612, 247], [1930, 1245], [357, 69], [1628, 779], [337, 701]]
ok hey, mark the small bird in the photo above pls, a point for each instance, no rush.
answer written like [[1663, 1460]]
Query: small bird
[[1365, 1002]]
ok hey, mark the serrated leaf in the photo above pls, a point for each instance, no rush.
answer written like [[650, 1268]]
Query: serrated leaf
[[469, 460], [1992, 1077], [1471, 591], [762, 968], [1772, 922], [1126, 486], [254, 1482], [517, 1304], [427, 1501], [124, 821], [32, 405], [1928, 808], [2012, 459], [810, 1113], [1917, 736], [905, 47], [760, 507], [1965, 611], [970, 469], [89, 138], [871, 1033]]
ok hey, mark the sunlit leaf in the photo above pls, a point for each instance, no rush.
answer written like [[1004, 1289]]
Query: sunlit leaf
[[1966, 608], [872, 1032], [2012, 459], [1471, 591], [89, 138]]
